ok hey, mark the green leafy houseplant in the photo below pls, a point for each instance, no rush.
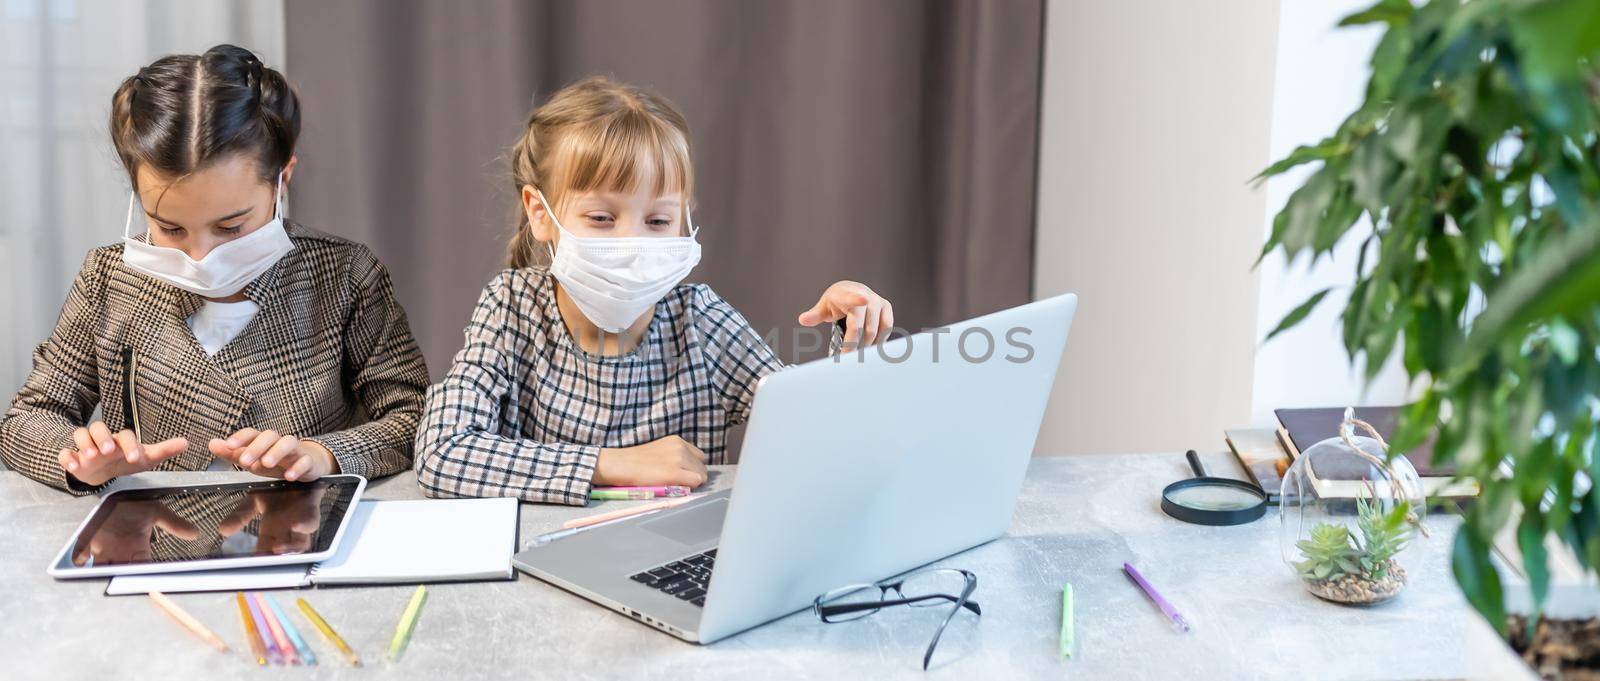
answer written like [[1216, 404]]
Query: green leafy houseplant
[[1475, 158]]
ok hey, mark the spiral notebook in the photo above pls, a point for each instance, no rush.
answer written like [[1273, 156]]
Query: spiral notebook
[[388, 542]]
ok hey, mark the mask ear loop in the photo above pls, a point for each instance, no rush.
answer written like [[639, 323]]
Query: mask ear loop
[[548, 245], [278, 204], [127, 222], [688, 217]]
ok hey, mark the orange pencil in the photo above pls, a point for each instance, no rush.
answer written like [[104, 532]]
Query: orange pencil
[[284, 646], [250, 634], [188, 621]]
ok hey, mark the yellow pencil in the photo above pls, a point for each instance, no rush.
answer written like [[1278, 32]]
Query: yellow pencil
[[328, 632], [188, 621], [250, 633], [408, 622]]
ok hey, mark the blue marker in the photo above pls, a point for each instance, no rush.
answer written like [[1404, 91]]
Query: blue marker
[[294, 634]]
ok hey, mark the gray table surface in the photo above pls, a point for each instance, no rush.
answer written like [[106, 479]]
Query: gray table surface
[[1078, 520]]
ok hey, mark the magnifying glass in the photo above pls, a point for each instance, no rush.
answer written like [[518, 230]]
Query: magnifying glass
[[1205, 500]]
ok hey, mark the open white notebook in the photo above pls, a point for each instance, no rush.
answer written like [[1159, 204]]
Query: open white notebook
[[388, 542]]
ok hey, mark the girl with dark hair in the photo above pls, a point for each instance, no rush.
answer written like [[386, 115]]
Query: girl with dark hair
[[223, 335]]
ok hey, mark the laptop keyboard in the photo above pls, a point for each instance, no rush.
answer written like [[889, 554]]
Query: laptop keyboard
[[687, 579]]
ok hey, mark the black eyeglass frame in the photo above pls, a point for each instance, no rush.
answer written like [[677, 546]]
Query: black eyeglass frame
[[829, 613]]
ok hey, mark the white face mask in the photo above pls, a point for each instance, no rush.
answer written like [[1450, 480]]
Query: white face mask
[[226, 270], [615, 280]]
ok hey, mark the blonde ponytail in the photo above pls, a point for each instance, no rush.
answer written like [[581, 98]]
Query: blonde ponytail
[[524, 250]]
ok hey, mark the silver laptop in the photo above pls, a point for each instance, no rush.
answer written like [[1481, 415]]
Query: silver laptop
[[853, 470]]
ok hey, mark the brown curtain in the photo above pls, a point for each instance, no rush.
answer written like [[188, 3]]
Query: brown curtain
[[892, 142]]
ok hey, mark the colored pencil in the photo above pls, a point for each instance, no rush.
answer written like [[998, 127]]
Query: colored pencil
[[658, 490], [408, 623], [252, 636], [621, 495], [306, 656], [188, 621], [328, 632], [274, 655], [290, 657], [625, 512], [1066, 621]]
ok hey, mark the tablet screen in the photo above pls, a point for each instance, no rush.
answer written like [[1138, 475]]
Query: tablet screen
[[164, 525]]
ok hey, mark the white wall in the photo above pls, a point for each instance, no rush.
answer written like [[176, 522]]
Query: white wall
[[1155, 116], [1321, 77]]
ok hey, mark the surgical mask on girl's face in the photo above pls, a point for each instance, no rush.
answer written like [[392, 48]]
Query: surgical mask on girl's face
[[226, 270], [615, 280]]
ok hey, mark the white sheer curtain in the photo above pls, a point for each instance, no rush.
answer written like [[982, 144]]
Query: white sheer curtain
[[62, 192]]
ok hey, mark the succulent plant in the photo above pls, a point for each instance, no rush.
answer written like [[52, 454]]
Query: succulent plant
[[1332, 550], [1329, 552], [1383, 535]]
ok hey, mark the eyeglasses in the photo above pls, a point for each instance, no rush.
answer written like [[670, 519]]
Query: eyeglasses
[[921, 589]]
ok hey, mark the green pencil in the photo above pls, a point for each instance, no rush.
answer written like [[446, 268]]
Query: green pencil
[[1066, 621], [408, 622], [621, 494]]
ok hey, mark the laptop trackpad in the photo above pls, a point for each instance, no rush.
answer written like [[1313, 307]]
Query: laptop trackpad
[[693, 525]]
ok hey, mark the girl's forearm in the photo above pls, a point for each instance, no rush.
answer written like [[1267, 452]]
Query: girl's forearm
[[29, 440], [478, 464]]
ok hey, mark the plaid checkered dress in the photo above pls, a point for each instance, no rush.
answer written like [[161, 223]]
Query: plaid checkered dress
[[329, 357], [524, 411]]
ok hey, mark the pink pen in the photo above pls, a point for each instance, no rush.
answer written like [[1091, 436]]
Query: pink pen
[[290, 656], [660, 491]]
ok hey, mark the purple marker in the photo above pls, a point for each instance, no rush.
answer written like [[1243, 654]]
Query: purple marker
[[273, 653], [1155, 596]]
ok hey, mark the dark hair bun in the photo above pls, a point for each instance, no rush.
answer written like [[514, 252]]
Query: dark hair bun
[[184, 112]]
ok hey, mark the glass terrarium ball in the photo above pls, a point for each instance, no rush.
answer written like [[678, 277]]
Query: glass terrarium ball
[[1349, 516]]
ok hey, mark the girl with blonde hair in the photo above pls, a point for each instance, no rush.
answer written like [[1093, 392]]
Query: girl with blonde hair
[[588, 362]]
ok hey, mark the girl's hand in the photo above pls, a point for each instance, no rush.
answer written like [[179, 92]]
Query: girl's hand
[[270, 454], [868, 316], [102, 455], [668, 461]]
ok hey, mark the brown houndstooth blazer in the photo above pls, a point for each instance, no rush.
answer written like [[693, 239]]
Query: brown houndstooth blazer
[[329, 357]]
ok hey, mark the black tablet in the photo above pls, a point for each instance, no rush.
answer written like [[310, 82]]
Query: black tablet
[[210, 527]]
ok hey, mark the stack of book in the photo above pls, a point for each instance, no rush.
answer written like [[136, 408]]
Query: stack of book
[[1266, 454]]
